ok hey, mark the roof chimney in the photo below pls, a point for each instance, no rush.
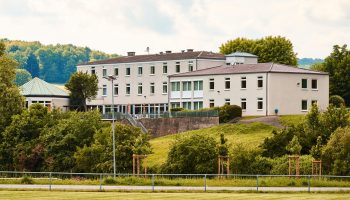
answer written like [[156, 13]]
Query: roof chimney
[[189, 50], [131, 53], [182, 51], [161, 52], [167, 51]]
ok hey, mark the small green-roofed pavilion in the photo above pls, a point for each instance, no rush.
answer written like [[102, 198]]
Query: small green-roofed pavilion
[[40, 88]]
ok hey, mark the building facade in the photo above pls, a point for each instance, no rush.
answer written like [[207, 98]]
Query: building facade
[[151, 84], [141, 85]]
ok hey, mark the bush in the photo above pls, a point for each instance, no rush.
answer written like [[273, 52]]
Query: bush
[[229, 112], [26, 180], [280, 165], [109, 181], [176, 109], [193, 154], [336, 100]]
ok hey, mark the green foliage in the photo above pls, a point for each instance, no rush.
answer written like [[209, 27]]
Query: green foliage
[[337, 64], [82, 87], [196, 153], [316, 151], [294, 146], [22, 77], [336, 153], [176, 109], [223, 147], [336, 101], [52, 63], [11, 101], [109, 181], [27, 180], [98, 156], [229, 112], [248, 161], [268, 49], [280, 165]]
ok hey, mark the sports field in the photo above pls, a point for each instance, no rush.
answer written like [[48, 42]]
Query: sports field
[[41, 195]]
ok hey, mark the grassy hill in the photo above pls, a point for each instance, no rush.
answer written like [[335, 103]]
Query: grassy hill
[[251, 135]]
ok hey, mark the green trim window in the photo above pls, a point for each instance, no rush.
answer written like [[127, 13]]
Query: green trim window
[[152, 70], [197, 105], [186, 86], [198, 85], [175, 86], [152, 88], [304, 83], [187, 105]]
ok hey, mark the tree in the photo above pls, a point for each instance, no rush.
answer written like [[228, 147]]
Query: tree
[[316, 151], [269, 49], [22, 77], [32, 65], [82, 87], [294, 146], [196, 154], [223, 148], [97, 157], [11, 101], [336, 153], [337, 64]]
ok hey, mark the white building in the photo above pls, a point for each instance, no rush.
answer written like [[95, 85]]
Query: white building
[[203, 79], [39, 91]]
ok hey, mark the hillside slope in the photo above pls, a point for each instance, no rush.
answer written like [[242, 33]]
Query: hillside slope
[[251, 135]]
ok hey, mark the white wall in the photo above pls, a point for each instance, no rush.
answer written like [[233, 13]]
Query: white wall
[[285, 92]]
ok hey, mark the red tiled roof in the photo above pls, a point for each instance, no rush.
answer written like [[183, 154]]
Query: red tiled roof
[[160, 57], [248, 68]]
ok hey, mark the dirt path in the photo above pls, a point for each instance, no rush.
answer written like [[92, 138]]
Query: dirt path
[[270, 120]]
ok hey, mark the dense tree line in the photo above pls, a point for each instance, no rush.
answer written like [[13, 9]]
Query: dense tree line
[[269, 49], [53, 63]]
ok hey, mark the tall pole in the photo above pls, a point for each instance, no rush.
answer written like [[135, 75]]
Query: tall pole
[[113, 132]]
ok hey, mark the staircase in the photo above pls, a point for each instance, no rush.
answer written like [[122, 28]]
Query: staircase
[[135, 123]]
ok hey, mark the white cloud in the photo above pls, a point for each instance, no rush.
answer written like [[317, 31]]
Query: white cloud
[[313, 26]]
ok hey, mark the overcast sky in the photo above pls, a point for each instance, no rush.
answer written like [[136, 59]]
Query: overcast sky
[[118, 26]]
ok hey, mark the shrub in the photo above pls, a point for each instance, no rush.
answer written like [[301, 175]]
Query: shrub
[[26, 180], [196, 154], [336, 100], [109, 181], [280, 165], [176, 109], [229, 112]]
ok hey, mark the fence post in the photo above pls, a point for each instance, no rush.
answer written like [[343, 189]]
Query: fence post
[[308, 183], [50, 181], [152, 182], [100, 182], [257, 183], [205, 182]]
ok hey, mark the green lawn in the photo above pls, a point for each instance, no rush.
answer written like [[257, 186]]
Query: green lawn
[[288, 120], [42, 195], [250, 135]]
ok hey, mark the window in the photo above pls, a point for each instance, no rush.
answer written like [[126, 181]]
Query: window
[[127, 89], [175, 105], [260, 81], [165, 68], [304, 83], [260, 104], [198, 85], [127, 72], [152, 88], [186, 86], [177, 67], [243, 82], [314, 84], [211, 103], [104, 90], [227, 101], [139, 89], [165, 87], [227, 83], [104, 72], [175, 86], [116, 90], [186, 105], [116, 71], [152, 70], [93, 71], [197, 105], [244, 103], [211, 84], [314, 102], [139, 71], [190, 66], [303, 105]]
